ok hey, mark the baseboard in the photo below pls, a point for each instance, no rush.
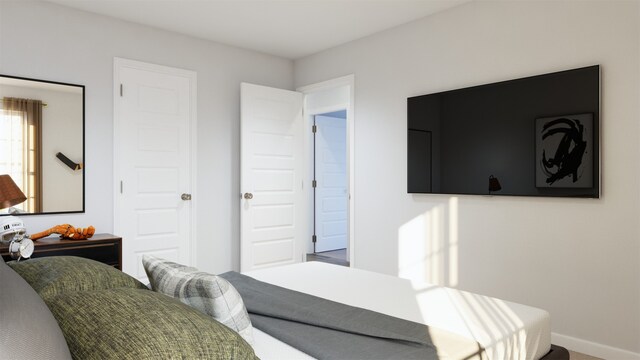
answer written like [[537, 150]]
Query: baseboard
[[593, 349]]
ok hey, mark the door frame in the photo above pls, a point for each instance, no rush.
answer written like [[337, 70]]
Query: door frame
[[348, 80], [118, 64]]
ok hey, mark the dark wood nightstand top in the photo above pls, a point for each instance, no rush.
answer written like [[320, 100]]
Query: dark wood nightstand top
[[56, 241], [105, 248]]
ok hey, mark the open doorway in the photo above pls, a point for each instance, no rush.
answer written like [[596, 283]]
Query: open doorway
[[329, 118], [330, 188]]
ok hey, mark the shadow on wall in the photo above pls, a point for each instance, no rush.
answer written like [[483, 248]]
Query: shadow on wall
[[428, 246]]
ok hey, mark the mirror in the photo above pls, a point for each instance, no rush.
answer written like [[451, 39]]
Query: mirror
[[42, 144]]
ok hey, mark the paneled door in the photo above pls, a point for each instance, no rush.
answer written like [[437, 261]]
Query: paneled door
[[272, 202], [154, 126], [331, 183]]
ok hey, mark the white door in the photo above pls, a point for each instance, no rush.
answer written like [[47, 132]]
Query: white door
[[153, 162], [331, 183], [272, 202]]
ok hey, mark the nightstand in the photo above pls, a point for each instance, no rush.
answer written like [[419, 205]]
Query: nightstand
[[105, 248]]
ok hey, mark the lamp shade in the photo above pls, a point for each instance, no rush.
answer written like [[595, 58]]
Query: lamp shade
[[10, 193]]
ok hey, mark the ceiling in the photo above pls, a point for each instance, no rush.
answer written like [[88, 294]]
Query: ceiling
[[287, 28]]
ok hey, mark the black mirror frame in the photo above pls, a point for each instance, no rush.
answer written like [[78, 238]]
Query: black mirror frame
[[82, 87]]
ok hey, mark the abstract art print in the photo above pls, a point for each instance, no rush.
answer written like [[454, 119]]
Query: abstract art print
[[564, 151]]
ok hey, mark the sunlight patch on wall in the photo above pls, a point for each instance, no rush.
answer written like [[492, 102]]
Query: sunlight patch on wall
[[428, 246]]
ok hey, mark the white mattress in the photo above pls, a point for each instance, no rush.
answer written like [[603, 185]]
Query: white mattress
[[506, 330]]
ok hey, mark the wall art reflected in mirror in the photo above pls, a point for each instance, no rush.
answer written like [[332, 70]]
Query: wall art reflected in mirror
[[42, 144]]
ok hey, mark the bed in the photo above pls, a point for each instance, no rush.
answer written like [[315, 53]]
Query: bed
[[506, 330], [88, 310]]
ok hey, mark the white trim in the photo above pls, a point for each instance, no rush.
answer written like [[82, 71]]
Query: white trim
[[348, 80], [328, 84], [592, 348], [119, 63]]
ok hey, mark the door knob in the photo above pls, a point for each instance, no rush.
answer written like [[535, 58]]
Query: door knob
[[185, 197], [248, 196]]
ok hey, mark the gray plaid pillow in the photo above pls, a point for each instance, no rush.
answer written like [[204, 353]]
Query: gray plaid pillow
[[208, 293]]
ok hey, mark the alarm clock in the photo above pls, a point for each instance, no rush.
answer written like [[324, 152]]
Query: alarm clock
[[12, 230], [22, 249]]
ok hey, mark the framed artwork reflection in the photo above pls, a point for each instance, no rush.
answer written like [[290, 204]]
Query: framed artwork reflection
[[564, 151]]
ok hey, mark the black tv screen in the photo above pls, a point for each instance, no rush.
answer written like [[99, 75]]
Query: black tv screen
[[534, 136]]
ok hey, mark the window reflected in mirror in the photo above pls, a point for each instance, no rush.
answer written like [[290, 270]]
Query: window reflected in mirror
[[38, 121]]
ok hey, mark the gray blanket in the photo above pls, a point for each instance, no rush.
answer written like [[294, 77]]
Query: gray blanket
[[326, 329]]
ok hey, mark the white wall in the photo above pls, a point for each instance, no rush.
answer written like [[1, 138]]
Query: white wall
[[577, 258], [51, 42], [61, 132]]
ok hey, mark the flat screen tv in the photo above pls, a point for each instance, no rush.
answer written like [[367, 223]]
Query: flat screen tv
[[534, 136]]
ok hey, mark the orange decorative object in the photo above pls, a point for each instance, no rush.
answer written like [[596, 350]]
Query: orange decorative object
[[66, 231]]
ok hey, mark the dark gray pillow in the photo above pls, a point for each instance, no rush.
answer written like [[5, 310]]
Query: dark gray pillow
[[28, 330]]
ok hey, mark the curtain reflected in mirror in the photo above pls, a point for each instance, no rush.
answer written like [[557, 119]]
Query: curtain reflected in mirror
[[20, 151], [38, 120]]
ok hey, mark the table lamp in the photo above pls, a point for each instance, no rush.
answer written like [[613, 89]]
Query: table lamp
[[12, 229], [10, 193]]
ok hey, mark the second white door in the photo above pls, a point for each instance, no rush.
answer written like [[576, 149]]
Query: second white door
[[271, 163]]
